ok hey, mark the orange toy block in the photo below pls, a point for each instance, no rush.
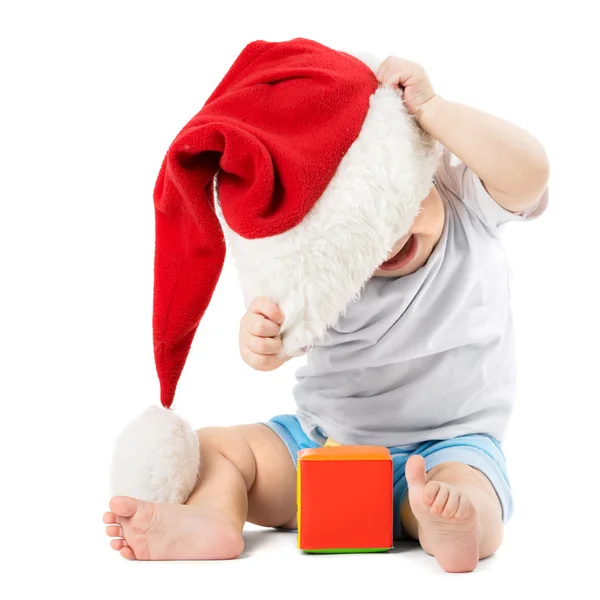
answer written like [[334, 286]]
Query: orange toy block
[[345, 499]]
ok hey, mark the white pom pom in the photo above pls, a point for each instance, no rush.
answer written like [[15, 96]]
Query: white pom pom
[[156, 458]]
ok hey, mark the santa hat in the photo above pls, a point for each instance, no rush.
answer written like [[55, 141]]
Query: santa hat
[[311, 171]]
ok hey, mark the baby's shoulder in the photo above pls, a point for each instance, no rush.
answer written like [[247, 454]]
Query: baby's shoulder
[[463, 192]]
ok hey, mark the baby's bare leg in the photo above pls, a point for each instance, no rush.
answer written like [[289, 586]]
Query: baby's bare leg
[[248, 474], [245, 474]]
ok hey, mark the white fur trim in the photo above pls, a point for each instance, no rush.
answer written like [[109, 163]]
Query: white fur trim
[[156, 458], [314, 270]]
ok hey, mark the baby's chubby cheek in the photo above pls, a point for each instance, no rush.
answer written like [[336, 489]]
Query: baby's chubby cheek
[[427, 229], [429, 223]]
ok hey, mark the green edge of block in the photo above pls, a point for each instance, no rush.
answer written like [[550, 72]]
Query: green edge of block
[[346, 550]]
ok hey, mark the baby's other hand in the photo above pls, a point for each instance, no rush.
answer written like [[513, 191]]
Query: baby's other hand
[[260, 341], [410, 76]]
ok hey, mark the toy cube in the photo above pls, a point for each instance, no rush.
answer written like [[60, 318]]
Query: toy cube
[[345, 499]]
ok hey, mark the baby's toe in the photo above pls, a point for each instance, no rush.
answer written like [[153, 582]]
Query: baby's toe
[[430, 493], [117, 544], [465, 508], [127, 552], [115, 531], [123, 506], [109, 518], [451, 505], [439, 503]]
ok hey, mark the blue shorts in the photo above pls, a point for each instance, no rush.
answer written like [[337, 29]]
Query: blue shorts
[[482, 452]]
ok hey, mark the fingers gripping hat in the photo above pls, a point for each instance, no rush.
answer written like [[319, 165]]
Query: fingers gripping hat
[[309, 172]]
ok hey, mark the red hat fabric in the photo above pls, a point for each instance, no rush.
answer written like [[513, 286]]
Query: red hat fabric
[[275, 129]]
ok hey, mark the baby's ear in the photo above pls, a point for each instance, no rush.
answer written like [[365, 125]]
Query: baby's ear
[[369, 59]]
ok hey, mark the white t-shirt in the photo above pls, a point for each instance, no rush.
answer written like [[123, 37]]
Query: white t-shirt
[[430, 355]]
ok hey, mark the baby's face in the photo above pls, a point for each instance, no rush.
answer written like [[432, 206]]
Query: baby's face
[[412, 251]]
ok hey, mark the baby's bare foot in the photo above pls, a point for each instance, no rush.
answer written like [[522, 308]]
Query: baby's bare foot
[[150, 531], [448, 526]]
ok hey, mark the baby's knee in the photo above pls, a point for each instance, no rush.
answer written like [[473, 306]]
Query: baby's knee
[[232, 444]]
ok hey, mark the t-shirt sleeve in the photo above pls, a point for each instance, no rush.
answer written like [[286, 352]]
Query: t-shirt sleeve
[[459, 180]]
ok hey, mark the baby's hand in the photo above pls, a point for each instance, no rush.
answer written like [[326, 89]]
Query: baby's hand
[[260, 341], [410, 76]]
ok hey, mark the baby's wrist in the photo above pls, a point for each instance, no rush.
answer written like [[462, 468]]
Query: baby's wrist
[[429, 110]]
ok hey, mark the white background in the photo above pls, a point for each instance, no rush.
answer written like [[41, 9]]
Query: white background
[[93, 94]]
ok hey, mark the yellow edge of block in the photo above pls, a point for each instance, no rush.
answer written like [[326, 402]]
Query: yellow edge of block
[[330, 443], [298, 500]]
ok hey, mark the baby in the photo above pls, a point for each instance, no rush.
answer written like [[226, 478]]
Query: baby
[[422, 363]]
